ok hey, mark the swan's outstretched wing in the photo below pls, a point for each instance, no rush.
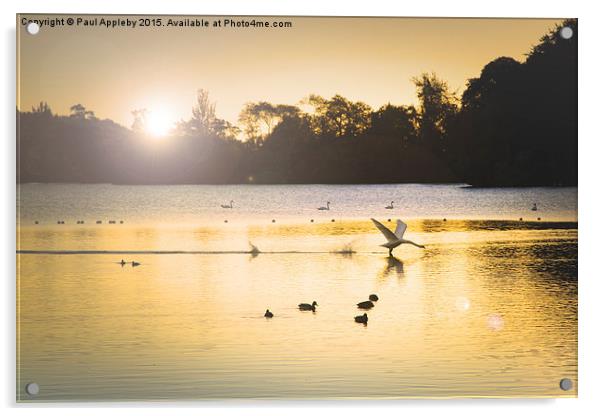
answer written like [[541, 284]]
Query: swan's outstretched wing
[[386, 232], [401, 229]]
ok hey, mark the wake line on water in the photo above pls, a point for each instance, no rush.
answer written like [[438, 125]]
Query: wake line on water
[[68, 252], [346, 250]]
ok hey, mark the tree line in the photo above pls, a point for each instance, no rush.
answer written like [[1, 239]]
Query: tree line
[[514, 125]]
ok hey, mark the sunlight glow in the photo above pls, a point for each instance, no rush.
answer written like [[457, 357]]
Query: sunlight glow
[[158, 123], [462, 303], [495, 322]]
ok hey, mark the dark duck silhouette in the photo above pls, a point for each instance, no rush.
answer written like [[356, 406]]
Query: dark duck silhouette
[[308, 307], [362, 319], [268, 314], [365, 305]]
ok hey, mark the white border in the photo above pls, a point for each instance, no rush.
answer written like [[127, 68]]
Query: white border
[[590, 43]]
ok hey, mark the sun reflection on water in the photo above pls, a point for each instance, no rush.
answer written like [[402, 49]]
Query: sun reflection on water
[[484, 310]]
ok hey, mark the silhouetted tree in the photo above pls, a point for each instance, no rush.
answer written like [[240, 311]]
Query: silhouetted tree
[[399, 122], [203, 120], [203, 114], [516, 125], [259, 119], [42, 108], [139, 124], [437, 108], [204, 123], [338, 117], [224, 129], [79, 111]]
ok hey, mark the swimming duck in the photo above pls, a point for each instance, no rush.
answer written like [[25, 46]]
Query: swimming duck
[[373, 297], [228, 206], [362, 319], [365, 305], [308, 307], [135, 263], [122, 262], [268, 314]]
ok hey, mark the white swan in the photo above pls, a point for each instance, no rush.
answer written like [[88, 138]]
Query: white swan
[[326, 208], [394, 239], [389, 206], [228, 206]]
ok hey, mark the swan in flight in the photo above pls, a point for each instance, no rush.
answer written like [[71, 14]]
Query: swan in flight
[[326, 208], [229, 206], [389, 206], [394, 239]]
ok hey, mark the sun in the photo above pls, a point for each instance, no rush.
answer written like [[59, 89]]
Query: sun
[[158, 123]]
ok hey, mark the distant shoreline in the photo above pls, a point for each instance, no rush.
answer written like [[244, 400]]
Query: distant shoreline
[[458, 184]]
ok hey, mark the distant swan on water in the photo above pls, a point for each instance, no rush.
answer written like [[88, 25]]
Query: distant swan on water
[[389, 206], [326, 208], [534, 208], [394, 239], [229, 206]]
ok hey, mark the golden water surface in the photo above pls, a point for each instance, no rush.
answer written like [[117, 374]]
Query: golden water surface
[[489, 308]]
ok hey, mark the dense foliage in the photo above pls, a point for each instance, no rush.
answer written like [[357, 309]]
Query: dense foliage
[[514, 125]]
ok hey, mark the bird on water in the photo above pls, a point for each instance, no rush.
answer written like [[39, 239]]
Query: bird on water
[[365, 305], [394, 239], [326, 208], [308, 307], [230, 206]]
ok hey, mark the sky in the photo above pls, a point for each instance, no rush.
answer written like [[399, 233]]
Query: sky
[[113, 71]]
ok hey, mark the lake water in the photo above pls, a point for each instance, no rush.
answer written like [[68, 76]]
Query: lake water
[[488, 309]]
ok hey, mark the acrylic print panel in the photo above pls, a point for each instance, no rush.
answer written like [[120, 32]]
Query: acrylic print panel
[[214, 207]]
